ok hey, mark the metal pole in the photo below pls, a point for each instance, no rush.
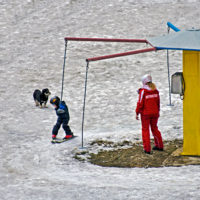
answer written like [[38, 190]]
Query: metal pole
[[63, 68], [170, 25], [169, 74], [107, 40], [87, 67], [121, 54]]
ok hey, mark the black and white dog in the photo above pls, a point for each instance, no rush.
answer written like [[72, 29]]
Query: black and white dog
[[41, 97]]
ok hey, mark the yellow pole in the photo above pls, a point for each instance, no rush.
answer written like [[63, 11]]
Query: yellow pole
[[191, 103]]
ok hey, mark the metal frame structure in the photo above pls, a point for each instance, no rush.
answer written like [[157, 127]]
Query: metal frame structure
[[183, 40], [102, 58], [114, 56]]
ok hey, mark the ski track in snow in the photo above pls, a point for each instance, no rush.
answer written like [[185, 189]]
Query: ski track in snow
[[31, 57]]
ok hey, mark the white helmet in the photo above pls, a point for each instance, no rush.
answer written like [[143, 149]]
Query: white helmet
[[146, 78]]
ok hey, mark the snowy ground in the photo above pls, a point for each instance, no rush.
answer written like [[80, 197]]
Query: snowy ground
[[31, 57]]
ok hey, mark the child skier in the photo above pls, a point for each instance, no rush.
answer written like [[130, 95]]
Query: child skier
[[63, 118], [148, 106]]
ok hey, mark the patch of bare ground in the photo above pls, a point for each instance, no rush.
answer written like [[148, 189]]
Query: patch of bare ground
[[127, 154]]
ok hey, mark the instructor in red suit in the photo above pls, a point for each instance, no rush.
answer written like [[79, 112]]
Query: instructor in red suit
[[148, 106]]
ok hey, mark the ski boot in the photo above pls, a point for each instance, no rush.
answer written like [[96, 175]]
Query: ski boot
[[67, 137], [53, 137]]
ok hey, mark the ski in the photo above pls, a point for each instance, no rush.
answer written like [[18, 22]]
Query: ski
[[62, 140]]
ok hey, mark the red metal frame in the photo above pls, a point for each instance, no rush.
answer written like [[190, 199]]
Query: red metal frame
[[106, 57], [121, 54], [113, 40], [107, 40]]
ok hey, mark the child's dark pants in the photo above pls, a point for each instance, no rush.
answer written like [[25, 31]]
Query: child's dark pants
[[64, 125]]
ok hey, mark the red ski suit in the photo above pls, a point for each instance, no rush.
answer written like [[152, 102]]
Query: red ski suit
[[148, 106]]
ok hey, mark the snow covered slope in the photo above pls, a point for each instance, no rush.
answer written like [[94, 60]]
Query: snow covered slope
[[31, 57]]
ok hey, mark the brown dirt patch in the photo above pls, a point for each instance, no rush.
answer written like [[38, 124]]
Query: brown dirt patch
[[133, 155]]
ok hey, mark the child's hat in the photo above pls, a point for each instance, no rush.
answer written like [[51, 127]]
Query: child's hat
[[146, 78], [55, 101]]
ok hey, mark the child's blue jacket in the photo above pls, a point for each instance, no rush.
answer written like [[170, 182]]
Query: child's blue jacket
[[64, 114]]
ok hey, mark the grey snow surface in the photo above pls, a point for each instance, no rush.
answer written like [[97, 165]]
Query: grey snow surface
[[31, 57]]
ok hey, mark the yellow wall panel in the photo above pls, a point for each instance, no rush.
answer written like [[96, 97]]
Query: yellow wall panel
[[191, 63], [191, 103]]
